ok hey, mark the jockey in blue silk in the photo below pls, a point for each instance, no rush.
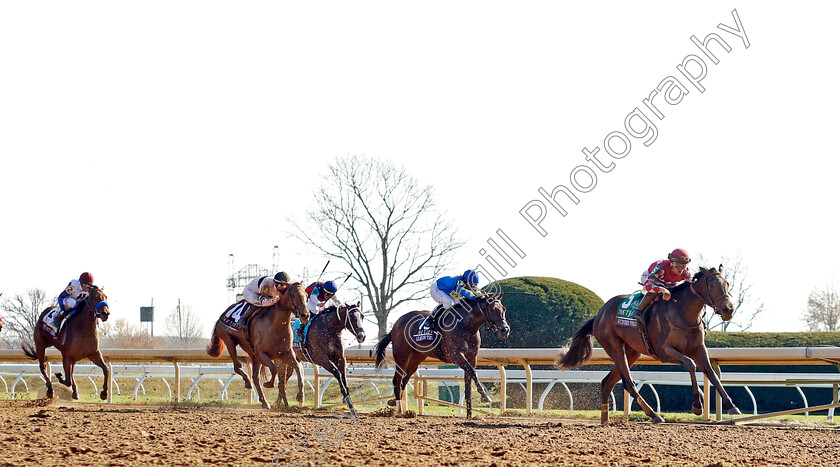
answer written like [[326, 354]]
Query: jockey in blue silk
[[71, 299], [448, 291]]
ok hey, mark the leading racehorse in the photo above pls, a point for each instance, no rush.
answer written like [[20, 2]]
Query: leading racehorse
[[77, 339], [268, 337], [457, 343], [676, 333]]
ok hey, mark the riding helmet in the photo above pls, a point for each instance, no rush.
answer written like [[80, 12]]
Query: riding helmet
[[470, 277], [680, 256], [86, 278], [281, 277], [330, 288]]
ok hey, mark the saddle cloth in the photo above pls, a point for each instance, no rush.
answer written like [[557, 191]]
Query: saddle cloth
[[624, 316], [232, 315], [47, 322]]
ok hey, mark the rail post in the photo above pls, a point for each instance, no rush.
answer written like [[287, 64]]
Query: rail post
[[177, 382]]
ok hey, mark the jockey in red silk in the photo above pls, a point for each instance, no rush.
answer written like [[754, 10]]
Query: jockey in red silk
[[259, 293], [72, 297], [662, 276], [319, 294]]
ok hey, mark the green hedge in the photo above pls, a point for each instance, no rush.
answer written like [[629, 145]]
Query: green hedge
[[546, 320], [772, 339]]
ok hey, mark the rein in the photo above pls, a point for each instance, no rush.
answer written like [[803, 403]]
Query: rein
[[490, 324]]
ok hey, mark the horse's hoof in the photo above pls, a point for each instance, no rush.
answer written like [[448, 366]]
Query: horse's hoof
[[268, 384], [696, 410], [247, 385], [486, 399], [103, 395], [266, 406], [657, 419], [734, 411], [75, 396], [392, 402], [49, 394]]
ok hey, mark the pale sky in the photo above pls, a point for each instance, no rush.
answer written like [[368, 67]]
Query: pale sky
[[146, 141]]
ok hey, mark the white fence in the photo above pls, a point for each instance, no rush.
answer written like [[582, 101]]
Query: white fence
[[361, 360]]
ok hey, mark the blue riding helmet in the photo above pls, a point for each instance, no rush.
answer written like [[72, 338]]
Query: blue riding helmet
[[330, 288], [470, 277]]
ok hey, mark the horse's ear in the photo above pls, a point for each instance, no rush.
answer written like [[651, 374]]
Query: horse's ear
[[720, 268], [359, 304]]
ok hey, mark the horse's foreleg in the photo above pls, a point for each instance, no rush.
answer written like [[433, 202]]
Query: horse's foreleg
[[468, 365], [341, 366], [42, 365], [256, 366], [296, 367], [675, 356], [702, 359], [97, 360], [266, 360], [468, 392]]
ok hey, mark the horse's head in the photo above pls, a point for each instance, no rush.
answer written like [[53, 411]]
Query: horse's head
[[353, 319], [494, 313], [96, 300], [713, 289], [296, 297]]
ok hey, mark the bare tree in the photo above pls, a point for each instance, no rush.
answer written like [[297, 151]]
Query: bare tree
[[121, 334], [823, 312], [21, 314], [384, 225], [747, 306], [183, 327]]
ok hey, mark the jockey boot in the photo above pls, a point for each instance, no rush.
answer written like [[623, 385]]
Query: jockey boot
[[57, 319], [430, 322], [299, 332], [639, 313], [244, 317]]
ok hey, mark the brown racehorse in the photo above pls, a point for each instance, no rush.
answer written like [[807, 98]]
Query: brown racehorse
[[676, 333], [323, 346], [77, 339], [267, 338], [457, 343]]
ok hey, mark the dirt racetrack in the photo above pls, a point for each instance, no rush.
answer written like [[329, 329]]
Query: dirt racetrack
[[91, 434]]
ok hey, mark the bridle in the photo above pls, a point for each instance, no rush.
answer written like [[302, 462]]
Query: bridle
[[708, 300], [347, 321], [97, 309], [490, 324]]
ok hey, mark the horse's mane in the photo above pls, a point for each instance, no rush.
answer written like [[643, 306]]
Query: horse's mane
[[703, 271]]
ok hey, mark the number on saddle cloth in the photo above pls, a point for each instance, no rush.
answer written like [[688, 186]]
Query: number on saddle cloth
[[624, 314]]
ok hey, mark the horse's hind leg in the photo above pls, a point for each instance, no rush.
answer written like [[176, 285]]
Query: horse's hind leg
[[237, 365], [97, 360], [624, 357], [42, 365]]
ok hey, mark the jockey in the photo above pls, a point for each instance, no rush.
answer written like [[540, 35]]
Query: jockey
[[319, 293], [72, 297], [262, 292], [662, 276], [448, 291]]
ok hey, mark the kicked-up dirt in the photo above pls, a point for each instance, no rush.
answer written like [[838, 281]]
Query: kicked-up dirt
[[35, 433]]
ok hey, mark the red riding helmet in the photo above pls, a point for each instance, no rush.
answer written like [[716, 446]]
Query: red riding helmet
[[86, 278], [680, 256]]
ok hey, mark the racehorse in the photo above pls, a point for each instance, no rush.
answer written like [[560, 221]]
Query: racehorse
[[457, 342], [76, 339], [676, 334], [323, 345], [268, 337]]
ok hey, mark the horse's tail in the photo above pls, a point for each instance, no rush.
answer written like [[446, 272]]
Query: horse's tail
[[217, 345], [580, 351], [380, 349], [29, 350]]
